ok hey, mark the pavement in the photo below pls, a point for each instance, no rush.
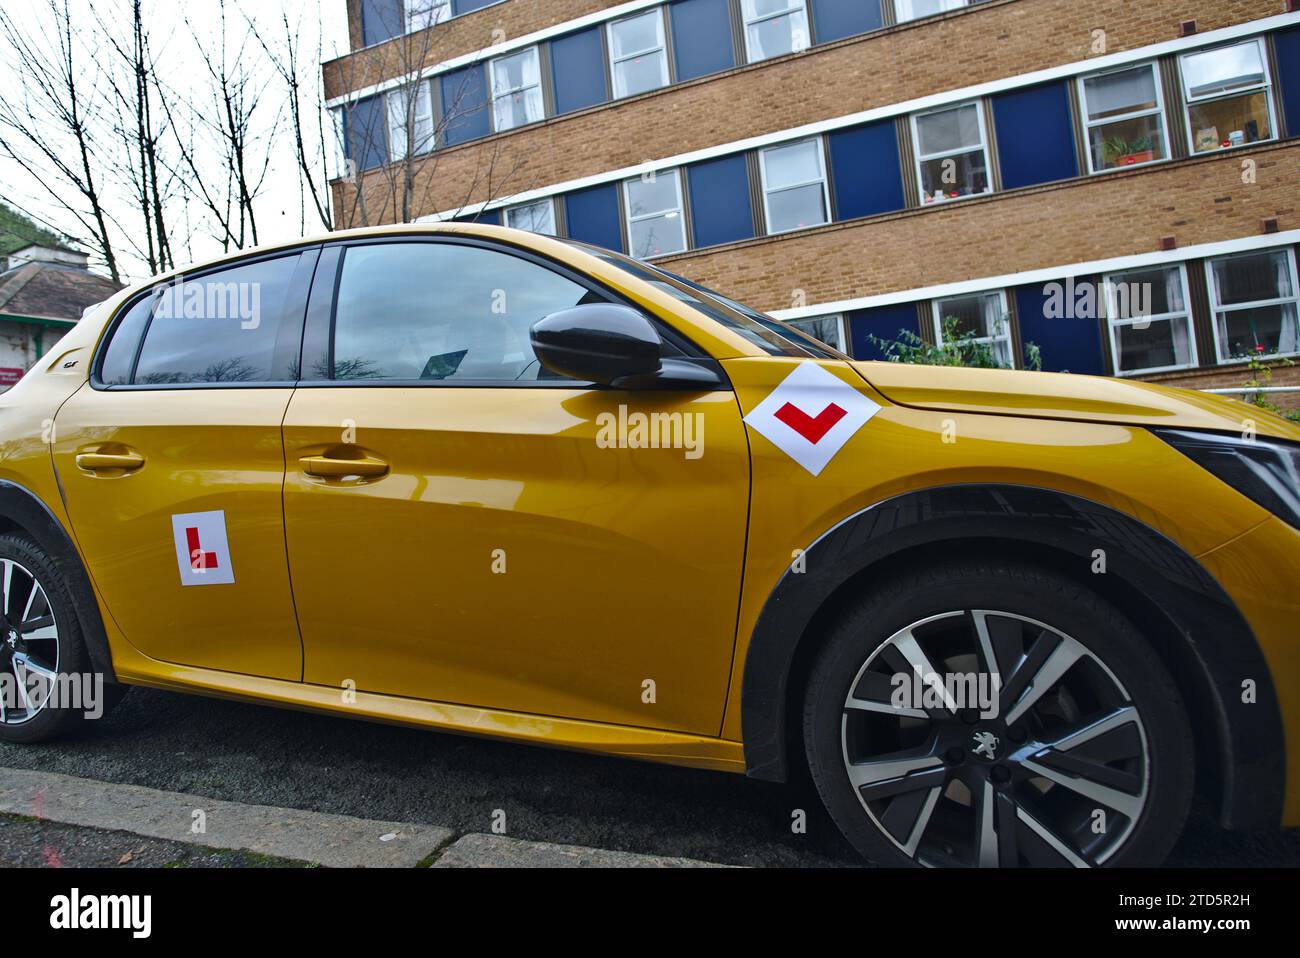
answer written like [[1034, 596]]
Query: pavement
[[83, 821], [505, 803]]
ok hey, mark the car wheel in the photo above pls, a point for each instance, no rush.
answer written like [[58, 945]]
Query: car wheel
[[41, 641], [1053, 734]]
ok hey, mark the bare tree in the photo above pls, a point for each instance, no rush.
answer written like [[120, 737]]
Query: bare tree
[[300, 81], [224, 141], [46, 123], [132, 93]]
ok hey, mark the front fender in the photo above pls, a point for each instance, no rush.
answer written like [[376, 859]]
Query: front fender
[[1169, 594]]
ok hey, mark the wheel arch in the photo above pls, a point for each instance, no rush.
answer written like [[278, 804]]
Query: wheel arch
[[1192, 623], [23, 511]]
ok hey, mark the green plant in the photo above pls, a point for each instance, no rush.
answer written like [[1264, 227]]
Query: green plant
[[1115, 148], [1261, 374], [957, 349]]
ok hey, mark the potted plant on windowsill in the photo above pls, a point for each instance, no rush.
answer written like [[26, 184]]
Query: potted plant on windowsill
[[1118, 151]]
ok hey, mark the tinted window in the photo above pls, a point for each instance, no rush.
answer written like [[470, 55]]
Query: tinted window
[[768, 334], [120, 355], [438, 311], [221, 327]]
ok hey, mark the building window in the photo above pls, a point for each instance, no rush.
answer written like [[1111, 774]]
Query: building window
[[1254, 300], [421, 119], [1150, 322], [516, 89], [905, 10], [422, 14], [655, 226], [637, 53], [536, 217], [951, 158], [794, 186], [1229, 102], [982, 316], [1123, 113], [826, 329], [774, 27]]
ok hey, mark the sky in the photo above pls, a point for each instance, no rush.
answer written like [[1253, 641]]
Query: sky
[[278, 206]]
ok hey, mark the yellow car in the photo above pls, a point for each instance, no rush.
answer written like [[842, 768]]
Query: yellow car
[[482, 481]]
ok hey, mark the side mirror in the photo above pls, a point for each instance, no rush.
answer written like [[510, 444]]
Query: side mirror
[[599, 342]]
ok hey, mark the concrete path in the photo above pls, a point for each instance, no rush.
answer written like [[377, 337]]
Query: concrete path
[[335, 841]]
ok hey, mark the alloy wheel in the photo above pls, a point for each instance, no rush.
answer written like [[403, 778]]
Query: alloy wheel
[[979, 737], [29, 645]]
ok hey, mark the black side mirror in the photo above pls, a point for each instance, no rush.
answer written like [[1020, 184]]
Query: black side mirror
[[600, 342]]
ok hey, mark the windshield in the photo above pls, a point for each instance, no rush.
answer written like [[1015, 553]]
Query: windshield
[[770, 335]]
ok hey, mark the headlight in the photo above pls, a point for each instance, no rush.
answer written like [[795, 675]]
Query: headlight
[[1266, 471]]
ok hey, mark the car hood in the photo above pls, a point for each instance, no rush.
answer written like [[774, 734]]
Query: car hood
[[1066, 396]]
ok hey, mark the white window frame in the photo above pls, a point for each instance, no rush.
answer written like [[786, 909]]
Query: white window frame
[[1216, 309], [899, 18], [919, 160], [338, 124], [821, 166], [424, 91], [1113, 322], [841, 326], [547, 201], [661, 51], [1134, 115], [502, 94], [792, 6], [937, 316], [1266, 86], [412, 9], [629, 218]]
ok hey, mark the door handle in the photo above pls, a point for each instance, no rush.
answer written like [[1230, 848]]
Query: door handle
[[329, 467], [97, 461]]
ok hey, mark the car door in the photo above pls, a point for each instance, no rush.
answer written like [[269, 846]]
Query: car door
[[464, 527], [172, 465]]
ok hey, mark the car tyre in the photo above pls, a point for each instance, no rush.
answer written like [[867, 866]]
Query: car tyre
[[40, 638], [1089, 764]]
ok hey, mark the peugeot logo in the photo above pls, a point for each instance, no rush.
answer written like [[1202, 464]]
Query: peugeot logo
[[986, 745]]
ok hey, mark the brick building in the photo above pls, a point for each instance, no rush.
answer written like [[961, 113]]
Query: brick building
[[1113, 182]]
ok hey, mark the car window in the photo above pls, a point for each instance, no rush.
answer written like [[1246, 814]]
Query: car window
[[119, 357], [218, 328], [443, 311], [770, 335]]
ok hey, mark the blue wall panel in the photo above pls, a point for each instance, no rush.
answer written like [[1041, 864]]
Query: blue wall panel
[[464, 105], [469, 6], [701, 37], [882, 321], [837, 19], [1287, 43], [866, 171], [381, 20], [720, 208], [578, 69], [1035, 134], [1068, 345], [593, 216], [486, 218], [367, 133]]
